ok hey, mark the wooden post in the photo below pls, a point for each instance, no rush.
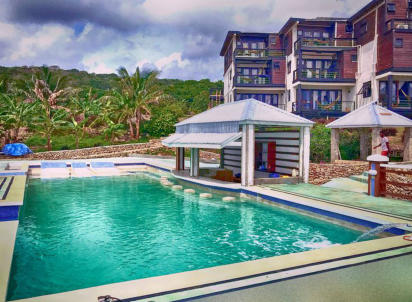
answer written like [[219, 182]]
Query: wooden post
[[180, 159], [407, 150], [301, 149], [363, 135], [334, 145]]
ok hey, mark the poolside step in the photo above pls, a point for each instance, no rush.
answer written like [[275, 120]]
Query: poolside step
[[361, 178]]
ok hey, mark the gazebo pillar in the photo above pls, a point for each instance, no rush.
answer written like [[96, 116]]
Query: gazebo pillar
[[407, 150], [180, 159], [306, 154], [375, 139], [248, 155], [334, 145], [194, 162], [363, 137]]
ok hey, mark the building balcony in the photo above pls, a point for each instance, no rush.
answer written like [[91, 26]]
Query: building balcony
[[399, 25], [323, 43], [319, 75], [258, 53], [252, 80]]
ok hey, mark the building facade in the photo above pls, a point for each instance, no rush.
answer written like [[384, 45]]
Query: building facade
[[326, 67]]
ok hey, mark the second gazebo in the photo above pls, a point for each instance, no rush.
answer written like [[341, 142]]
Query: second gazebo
[[371, 116]]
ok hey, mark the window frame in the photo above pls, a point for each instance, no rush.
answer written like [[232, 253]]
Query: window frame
[[391, 7], [398, 43], [354, 58], [367, 90]]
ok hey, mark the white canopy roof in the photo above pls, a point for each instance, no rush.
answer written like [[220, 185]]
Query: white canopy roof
[[248, 111], [371, 116], [201, 140]]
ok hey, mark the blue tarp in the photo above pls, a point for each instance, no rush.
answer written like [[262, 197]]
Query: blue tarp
[[16, 149]]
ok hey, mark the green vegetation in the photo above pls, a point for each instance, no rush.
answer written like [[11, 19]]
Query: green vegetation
[[55, 109]]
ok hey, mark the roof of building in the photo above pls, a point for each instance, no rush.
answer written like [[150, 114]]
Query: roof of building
[[248, 111], [371, 116], [365, 9], [203, 140], [230, 34]]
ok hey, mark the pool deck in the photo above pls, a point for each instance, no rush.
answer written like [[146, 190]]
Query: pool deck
[[221, 278]]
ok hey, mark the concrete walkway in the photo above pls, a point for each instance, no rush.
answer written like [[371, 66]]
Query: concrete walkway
[[355, 199]]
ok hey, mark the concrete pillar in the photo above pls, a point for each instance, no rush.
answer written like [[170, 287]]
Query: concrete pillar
[[306, 154], [407, 150], [194, 162], [222, 159], [301, 147], [376, 140], [334, 145], [391, 92], [248, 155], [364, 146]]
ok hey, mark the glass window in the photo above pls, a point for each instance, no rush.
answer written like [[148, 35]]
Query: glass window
[[299, 32], [324, 97], [245, 71], [318, 64], [354, 58], [327, 64], [254, 71], [309, 64], [316, 34], [363, 28], [254, 45], [276, 65], [261, 45], [275, 101], [308, 34], [398, 42], [289, 67], [367, 90], [245, 45], [315, 99], [391, 7], [325, 35]]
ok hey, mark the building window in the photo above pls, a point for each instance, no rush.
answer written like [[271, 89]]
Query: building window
[[390, 7], [316, 34], [398, 42], [273, 41], [325, 35], [367, 90], [308, 34], [299, 33], [363, 29], [276, 65], [354, 58], [288, 93], [289, 67]]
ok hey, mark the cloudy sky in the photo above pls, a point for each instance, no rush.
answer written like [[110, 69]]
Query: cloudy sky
[[182, 38]]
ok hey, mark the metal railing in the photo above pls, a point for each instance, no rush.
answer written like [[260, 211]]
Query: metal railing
[[316, 74], [322, 42], [311, 105], [399, 25], [259, 53], [253, 80]]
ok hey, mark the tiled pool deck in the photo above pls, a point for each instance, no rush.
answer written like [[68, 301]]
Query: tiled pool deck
[[385, 205], [324, 201]]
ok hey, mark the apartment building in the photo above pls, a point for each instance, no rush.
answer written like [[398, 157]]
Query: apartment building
[[326, 66]]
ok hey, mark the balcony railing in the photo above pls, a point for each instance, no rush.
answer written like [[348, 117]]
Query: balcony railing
[[258, 53], [321, 42], [403, 25], [317, 75], [254, 80]]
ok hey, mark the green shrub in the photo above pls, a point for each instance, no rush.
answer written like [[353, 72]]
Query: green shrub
[[320, 143]]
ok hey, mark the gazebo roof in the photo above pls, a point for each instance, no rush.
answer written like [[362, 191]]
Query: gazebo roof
[[248, 111], [219, 127], [371, 116]]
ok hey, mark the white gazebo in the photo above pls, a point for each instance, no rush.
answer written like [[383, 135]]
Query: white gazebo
[[371, 116], [233, 125]]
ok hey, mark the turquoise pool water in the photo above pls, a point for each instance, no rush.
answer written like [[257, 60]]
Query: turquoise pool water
[[78, 233]]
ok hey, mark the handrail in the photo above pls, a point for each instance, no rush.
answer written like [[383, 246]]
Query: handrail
[[399, 24], [316, 73], [259, 53], [324, 42], [252, 79]]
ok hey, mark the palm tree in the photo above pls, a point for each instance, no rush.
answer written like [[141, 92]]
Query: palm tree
[[137, 93]]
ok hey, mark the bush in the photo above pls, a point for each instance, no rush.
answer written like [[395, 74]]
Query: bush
[[320, 143], [349, 144]]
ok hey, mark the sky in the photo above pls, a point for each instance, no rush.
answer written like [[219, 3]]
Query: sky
[[180, 38]]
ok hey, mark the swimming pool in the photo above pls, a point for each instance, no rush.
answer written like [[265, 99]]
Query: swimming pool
[[78, 233]]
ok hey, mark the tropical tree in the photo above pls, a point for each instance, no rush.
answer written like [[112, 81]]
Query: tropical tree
[[15, 114], [137, 92], [47, 123]]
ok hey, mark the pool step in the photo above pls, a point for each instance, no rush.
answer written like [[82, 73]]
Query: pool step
[[5, 184]]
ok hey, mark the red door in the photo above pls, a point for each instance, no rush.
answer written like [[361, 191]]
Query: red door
[[271, 157]]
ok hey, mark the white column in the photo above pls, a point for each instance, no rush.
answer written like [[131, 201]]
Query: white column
[[363, 133], [407, 150], [376, 140], [306, 154], [248, 155], [334, 145], [301, 147], [194, 162]]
